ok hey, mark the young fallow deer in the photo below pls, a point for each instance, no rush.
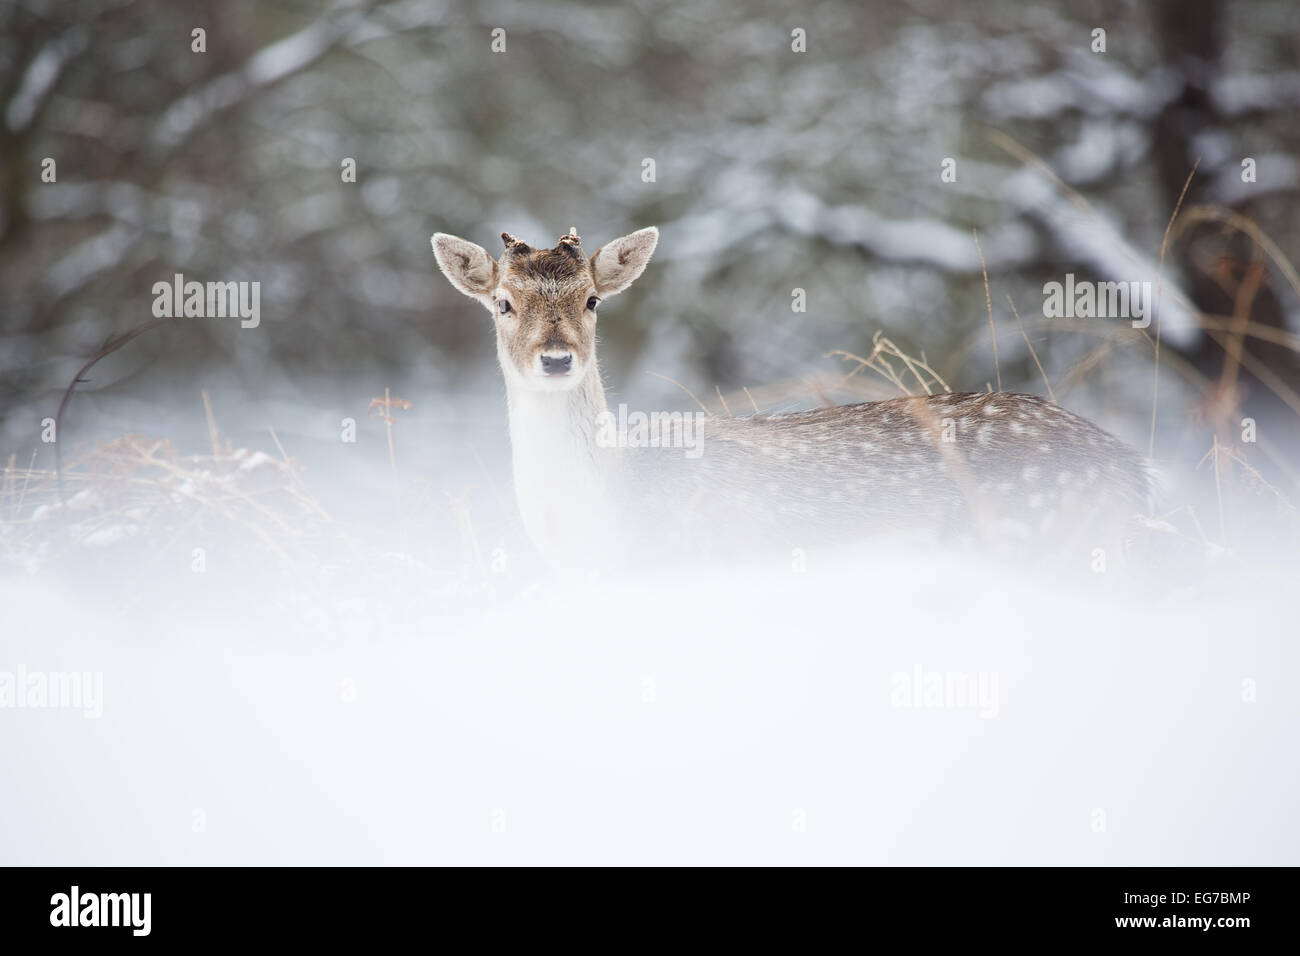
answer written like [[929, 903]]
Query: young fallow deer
[[998, 465]]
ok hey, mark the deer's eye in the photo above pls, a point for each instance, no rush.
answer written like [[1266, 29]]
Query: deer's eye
[[503, 306], [592, 302]]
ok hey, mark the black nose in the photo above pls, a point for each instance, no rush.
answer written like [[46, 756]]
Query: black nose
[[557, 364]]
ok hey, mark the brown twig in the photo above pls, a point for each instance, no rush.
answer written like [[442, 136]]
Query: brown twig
[[1033, 354], [387, 404], [105, 350], [988, 303], [718, 388], [684, 389], [1160, 281]]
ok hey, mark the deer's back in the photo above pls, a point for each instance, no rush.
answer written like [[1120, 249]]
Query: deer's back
[[999, 462]]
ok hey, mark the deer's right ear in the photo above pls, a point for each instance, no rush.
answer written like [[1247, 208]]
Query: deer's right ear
[[468, 267]]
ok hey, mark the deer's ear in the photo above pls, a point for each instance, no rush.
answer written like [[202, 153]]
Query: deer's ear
[[468, 267], [617, 264]]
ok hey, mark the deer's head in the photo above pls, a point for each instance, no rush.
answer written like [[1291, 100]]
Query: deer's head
[[544, 301]]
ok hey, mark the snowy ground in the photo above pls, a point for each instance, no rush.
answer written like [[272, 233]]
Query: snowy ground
[[772, 718]]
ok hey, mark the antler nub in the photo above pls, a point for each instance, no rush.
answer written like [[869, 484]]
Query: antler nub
[[572, 239], [511, 242]]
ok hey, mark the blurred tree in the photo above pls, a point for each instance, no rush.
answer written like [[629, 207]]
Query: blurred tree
[[774, 169]]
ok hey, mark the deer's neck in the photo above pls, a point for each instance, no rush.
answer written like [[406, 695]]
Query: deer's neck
[[563, 477]]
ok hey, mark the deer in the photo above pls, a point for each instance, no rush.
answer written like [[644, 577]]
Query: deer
[[972, 466]]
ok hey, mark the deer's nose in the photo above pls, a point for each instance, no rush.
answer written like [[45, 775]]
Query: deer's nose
[[557, 364]]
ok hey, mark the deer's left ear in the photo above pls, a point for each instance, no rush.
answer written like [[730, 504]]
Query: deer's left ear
[[467, 266], [617, 264]]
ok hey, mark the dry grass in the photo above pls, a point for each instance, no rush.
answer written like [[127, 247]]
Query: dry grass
[[884, 354], [136, 485], [138, 522]]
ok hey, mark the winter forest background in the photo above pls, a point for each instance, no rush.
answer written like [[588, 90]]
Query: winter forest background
[[774, 170]]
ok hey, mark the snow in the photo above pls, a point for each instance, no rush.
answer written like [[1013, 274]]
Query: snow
[[41, 76], [686, 717]]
